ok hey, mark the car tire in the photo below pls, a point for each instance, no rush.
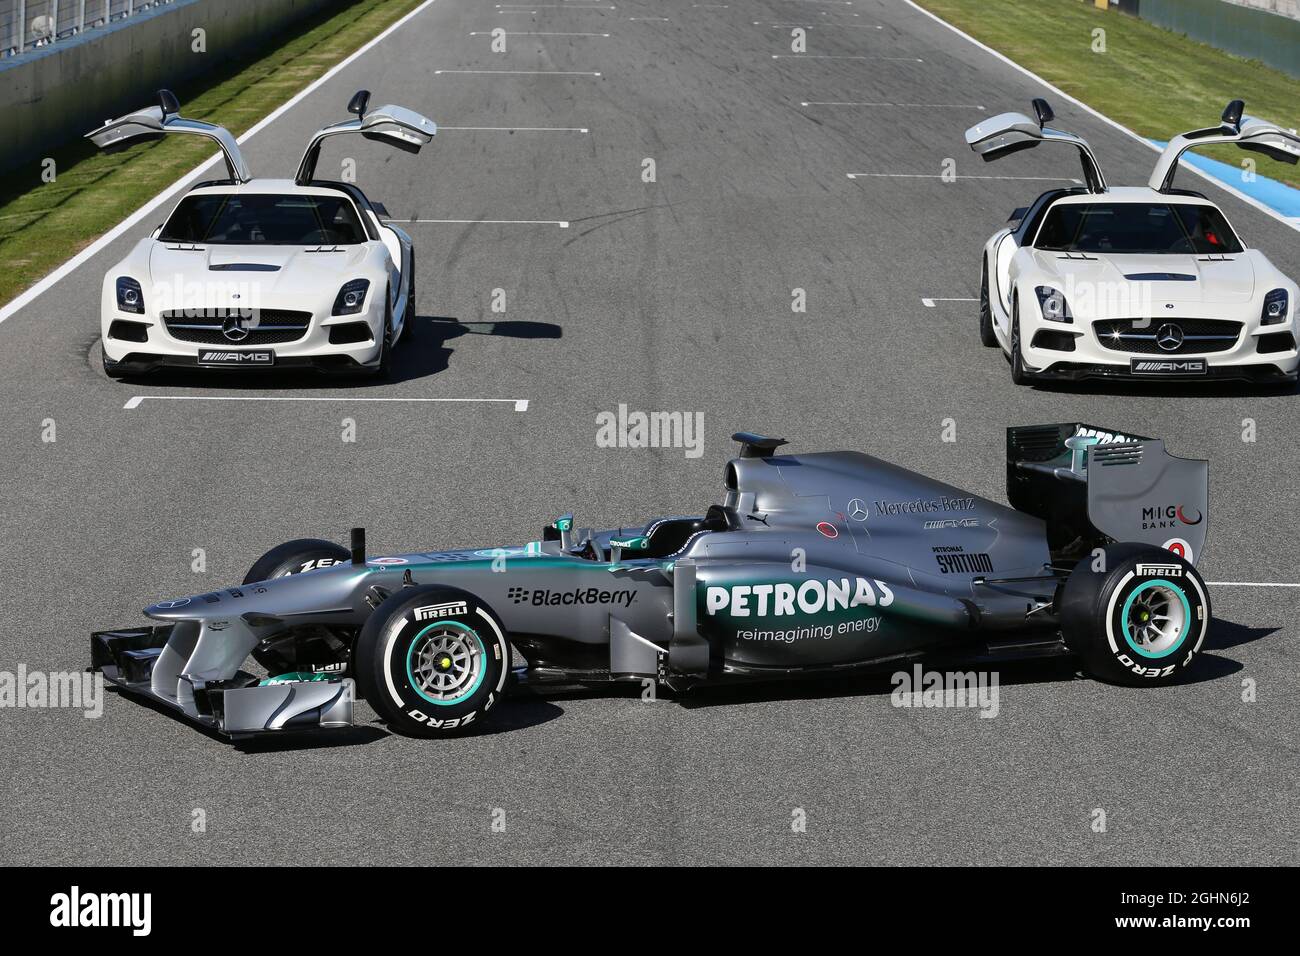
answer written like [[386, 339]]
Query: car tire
[[987, 337], [1019, 374], [1138, 621], [432, 661], [408, 321], [384, 366], [295, 557]]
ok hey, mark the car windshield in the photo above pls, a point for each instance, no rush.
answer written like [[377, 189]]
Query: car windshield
[[1131, 227], [264, 219]]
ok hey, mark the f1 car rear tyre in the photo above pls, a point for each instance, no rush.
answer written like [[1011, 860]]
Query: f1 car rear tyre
[[986, 312], [432, 660], [1141, 620]]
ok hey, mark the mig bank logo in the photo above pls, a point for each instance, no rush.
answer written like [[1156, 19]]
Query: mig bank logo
[[783, 599]]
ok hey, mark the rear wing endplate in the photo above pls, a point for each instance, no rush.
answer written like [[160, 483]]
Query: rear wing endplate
[[155, 122], [395, 125], [1008, 133], [1102, 485], [1250, 133]]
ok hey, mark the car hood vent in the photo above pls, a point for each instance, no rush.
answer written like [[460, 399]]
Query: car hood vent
[[243, 267]]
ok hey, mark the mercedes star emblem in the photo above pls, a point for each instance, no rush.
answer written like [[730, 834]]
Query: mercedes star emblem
[[233, 329], [858, 509], [1169, 337]]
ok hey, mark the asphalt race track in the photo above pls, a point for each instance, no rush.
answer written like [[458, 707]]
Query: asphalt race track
[[670, 295]]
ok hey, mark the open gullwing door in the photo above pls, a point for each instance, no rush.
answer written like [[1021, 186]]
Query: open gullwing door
[[155, 122], [1248, 132], [1009, 133], [395, 125]]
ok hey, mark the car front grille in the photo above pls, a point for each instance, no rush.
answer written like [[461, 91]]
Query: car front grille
[[1161, 336], [235, 327]]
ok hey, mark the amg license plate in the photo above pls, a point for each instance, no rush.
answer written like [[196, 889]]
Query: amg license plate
[[1169, 366], [232, 357]]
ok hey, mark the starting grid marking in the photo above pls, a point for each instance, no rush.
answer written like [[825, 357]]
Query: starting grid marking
[[838, 56], [525, 72], [562, 223], [909, 106], [1047, 179], [929, 303], [520, 404]]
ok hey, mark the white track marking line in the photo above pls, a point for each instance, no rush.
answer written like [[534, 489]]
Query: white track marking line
[[836, 56], [530, 7], [1046, 179], [520, 404], [1250, 584], [809, 26], [659, 19], [1104, 118], [910, 106], [515, 129], [929, 303], [521, 33], [526, 72], [63, 271], [562, 223]]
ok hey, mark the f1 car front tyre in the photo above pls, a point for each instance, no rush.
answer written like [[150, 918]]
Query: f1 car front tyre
[[294, 557], [1138, 621], [986, 311], [432, 661]]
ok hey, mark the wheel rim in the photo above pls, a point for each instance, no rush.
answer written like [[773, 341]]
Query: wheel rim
[[1155, 618], [446, 662]]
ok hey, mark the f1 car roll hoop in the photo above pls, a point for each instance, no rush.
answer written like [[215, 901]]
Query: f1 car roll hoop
[[812, 564]]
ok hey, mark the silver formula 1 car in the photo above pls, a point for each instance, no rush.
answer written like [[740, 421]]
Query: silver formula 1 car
[[811, 565]]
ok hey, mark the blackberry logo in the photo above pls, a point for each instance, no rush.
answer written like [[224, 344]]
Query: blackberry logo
[[517, 595], [544, 597]]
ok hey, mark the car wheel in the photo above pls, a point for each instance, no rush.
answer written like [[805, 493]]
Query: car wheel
[[432, 661], [986, 312], [384, 366], [1140, 620], [408, 321], [1019, 375], [281, 654]]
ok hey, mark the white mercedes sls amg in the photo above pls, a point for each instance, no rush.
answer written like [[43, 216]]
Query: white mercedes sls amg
[[263, 273], [1151, 282]]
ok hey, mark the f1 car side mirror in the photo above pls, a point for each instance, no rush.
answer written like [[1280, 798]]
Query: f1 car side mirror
[[360, 100], [564, 525]]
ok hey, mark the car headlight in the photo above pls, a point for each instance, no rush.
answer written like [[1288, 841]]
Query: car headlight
[[129, 296], [1053, 305], [1275, 307], [351, 297]]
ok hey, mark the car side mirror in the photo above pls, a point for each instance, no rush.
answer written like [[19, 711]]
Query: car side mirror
[[360, 100], [562, 527], [1043, 111], [168, 103]]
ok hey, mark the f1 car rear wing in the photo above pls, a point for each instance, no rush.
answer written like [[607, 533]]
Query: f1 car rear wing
[[395, 125], [155, 122], [1091, 486], [1009, 133], [1248, 132]]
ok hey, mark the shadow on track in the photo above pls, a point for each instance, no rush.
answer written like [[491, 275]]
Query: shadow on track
[[426, 354]]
